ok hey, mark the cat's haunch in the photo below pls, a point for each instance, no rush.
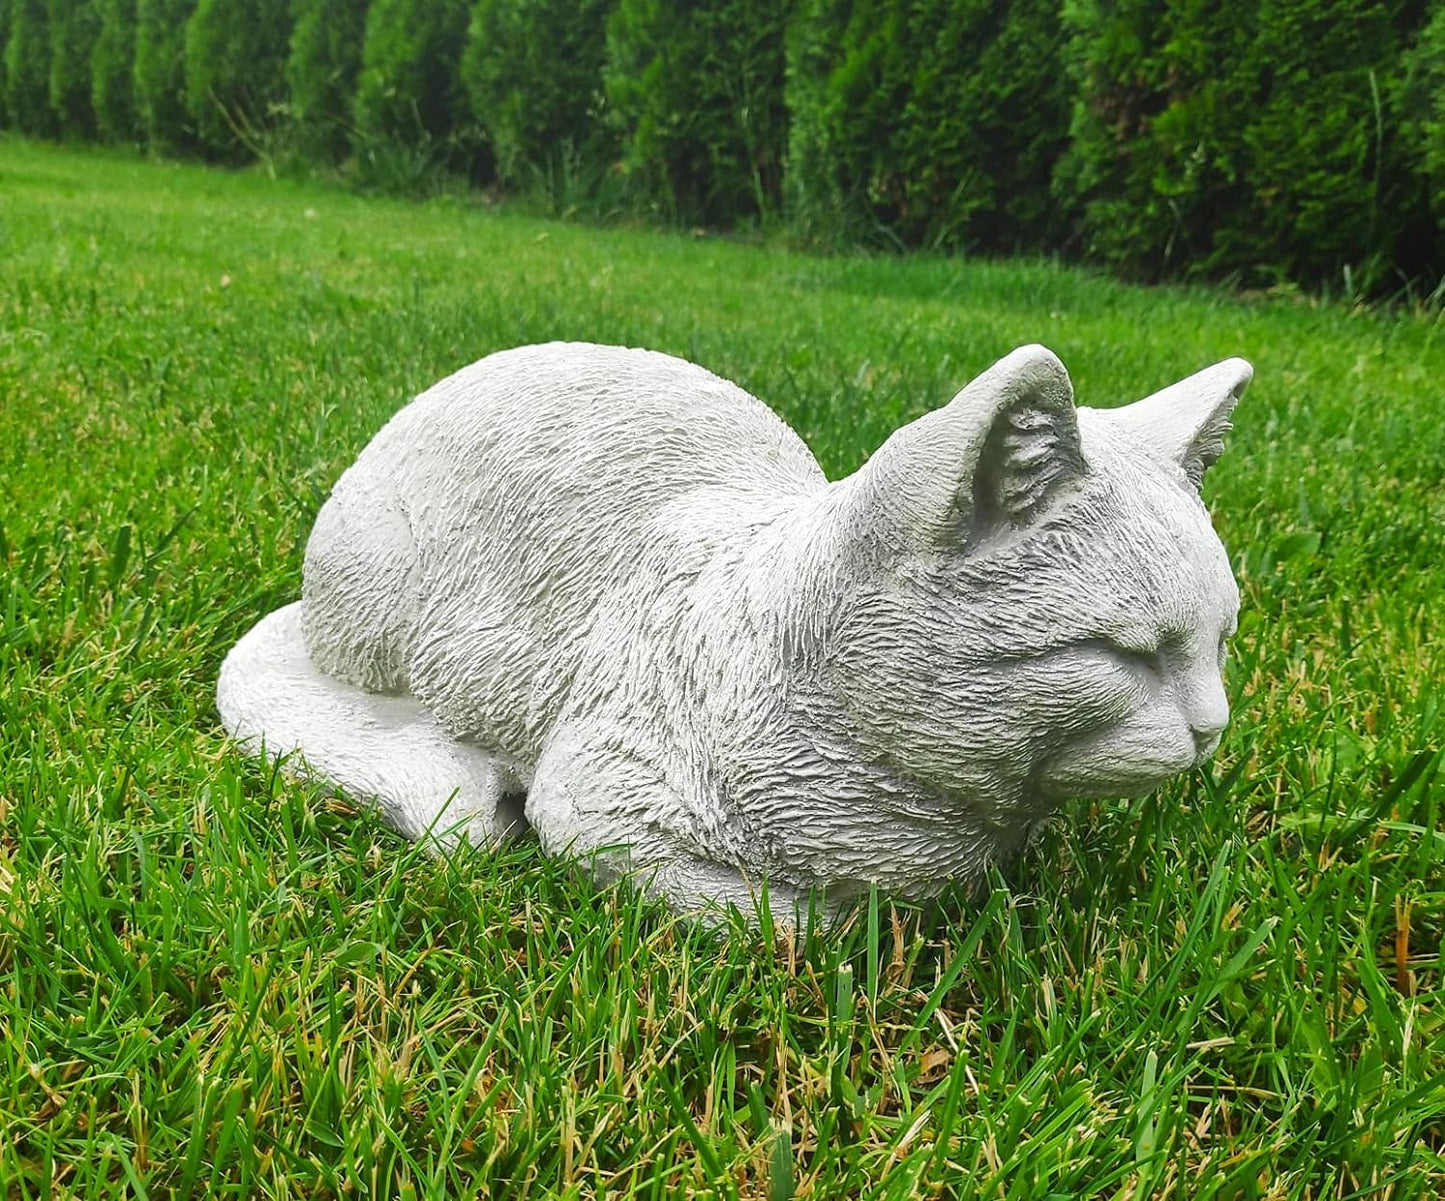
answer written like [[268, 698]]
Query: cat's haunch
[[606, 594]]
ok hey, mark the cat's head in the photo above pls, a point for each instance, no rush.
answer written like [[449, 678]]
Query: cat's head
[[1038, 603]]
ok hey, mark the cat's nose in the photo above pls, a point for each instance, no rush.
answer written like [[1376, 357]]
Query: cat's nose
[[1207, 726], [1207, 712], [1206, 742]]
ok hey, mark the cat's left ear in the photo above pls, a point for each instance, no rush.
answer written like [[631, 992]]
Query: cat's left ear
[[1187, 421], [996, 456]]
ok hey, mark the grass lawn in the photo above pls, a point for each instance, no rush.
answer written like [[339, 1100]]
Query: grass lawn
[[215, 980]]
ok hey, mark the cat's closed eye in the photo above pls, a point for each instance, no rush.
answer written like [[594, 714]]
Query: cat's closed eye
[[1138, 658]]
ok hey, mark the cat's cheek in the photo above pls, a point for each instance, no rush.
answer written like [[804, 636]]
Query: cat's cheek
[[1080, 695]]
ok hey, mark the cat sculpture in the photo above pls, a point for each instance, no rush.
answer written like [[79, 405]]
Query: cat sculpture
[[604, 594]]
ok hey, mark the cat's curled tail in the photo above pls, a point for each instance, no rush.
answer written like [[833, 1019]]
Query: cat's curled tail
[[384, 749]]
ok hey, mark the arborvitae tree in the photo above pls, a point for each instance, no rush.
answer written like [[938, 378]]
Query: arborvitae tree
[[73, 27], [1155, 146], [533, 73], [236, 72], [697, 93], [160, 72], [986, 119], [927, 122], [325, 56], [27, 69], [1322, 155], [4, 42], [409, 97], [112, 72], [849, 75], [1419, 93]]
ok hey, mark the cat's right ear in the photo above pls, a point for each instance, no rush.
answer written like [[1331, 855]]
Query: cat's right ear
[[995, 456], [1186, 422]]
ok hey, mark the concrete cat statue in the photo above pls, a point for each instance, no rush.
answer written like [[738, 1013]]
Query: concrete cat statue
[[606, 594]]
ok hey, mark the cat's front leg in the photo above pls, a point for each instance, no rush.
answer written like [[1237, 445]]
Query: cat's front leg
[[605, 804], [708, 890], [594, 799]]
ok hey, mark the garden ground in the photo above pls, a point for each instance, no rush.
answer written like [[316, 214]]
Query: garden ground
[[215, 980]]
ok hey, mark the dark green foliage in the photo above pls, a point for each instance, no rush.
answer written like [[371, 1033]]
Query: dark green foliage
[[4, 41], [112, 71], [1257, 138], [73, 25], [321, 72], [1146, 165], [1319, 168], [160, 72], [236, 71], [935, 122], [1420, 99], [410, 105], [27, 69], [839, 58], [533, 74], [986, 119], [697, 94]]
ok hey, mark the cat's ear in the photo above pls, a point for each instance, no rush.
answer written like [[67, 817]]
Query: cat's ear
[[995, 455], [1187, 421]]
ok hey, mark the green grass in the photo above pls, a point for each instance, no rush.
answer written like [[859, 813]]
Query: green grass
[[215, 980]]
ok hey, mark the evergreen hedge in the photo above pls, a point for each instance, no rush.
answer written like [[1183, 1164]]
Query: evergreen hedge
[[696, 93], [4, 43], [27, 69], [928, 122], [1419, 98], [1266, 140], [1258, 139], [411, 111], [73, 26]]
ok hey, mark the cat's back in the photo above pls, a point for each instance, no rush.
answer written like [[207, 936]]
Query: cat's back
[[505, 500], [573, 447], [620, 417]]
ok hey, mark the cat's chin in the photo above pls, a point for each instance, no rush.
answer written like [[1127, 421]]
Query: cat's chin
[[1132, 758], [1079, 779]]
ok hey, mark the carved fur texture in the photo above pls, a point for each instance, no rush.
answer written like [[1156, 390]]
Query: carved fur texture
[[604, 593]]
